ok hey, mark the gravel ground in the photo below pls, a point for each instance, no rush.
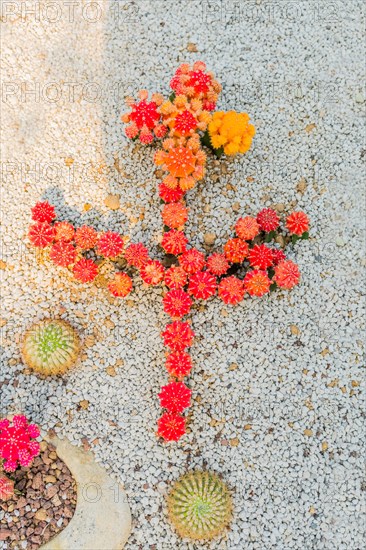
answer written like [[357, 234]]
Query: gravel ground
[[278, 381]]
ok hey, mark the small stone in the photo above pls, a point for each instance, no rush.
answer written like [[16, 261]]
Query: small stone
[[111, 371], [308, 432], [340, 241], [89, 341], [56, 501], [112, 202], [3, 322], [359, 97], [87, 206], [69, 161], [233, 366], [301, 186], [3, 265], [50, 492], [234, 442], [295, 330], [280, 240], [324, 446], [84, 404], [22, 502], [50, 479], [37, 480], [247, 427], [41, 514], [310, 127], [236, 207], [209, 239], [280, 207], [191, 47]]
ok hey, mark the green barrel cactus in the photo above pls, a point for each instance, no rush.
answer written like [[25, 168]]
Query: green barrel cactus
[[200, 506], [51, 347]]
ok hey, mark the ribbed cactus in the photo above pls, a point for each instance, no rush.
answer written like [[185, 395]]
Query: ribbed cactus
[[200, 506], [51, 347]]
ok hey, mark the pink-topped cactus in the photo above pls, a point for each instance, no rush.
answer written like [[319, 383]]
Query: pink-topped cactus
[[17, 442]]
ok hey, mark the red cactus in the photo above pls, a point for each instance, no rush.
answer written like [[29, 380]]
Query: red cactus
[[178, 336], [145, 113], [16, 445], [85, 270], [231, 290], [63, 253], [171, 426], [170, 195], [152, 273], [174, 242], [247, 228], [287, 274], [177, 303], [43, 212], [192, 260], [41, 234], [268, 220], [175, 277], [136, 255], [185, 123], [120, 286], [174, 215], [257, 282], [86, 237], [179, 364], [261, 256], [297, 223], [175, 397], [236, 250], [64, 231], [278, 256], [110, 245], [202, 285], [217, 264]]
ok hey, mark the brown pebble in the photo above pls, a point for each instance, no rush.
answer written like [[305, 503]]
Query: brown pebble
[[41, 514], [50, 492], [21, 502], [37, 481], [56, 501], [50, 479], [209, 239], [112, 202], [191, 47]]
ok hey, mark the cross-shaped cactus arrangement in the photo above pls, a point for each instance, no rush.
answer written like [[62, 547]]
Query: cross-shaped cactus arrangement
[[187, 129]]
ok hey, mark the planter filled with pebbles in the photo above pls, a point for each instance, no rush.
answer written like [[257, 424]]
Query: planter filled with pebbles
[[43, 504]]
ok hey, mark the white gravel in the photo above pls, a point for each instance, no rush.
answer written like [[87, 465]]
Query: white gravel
[[286, 427]]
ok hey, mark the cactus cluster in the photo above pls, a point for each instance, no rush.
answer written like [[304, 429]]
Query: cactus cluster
[[200, 506], [51, 347]]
